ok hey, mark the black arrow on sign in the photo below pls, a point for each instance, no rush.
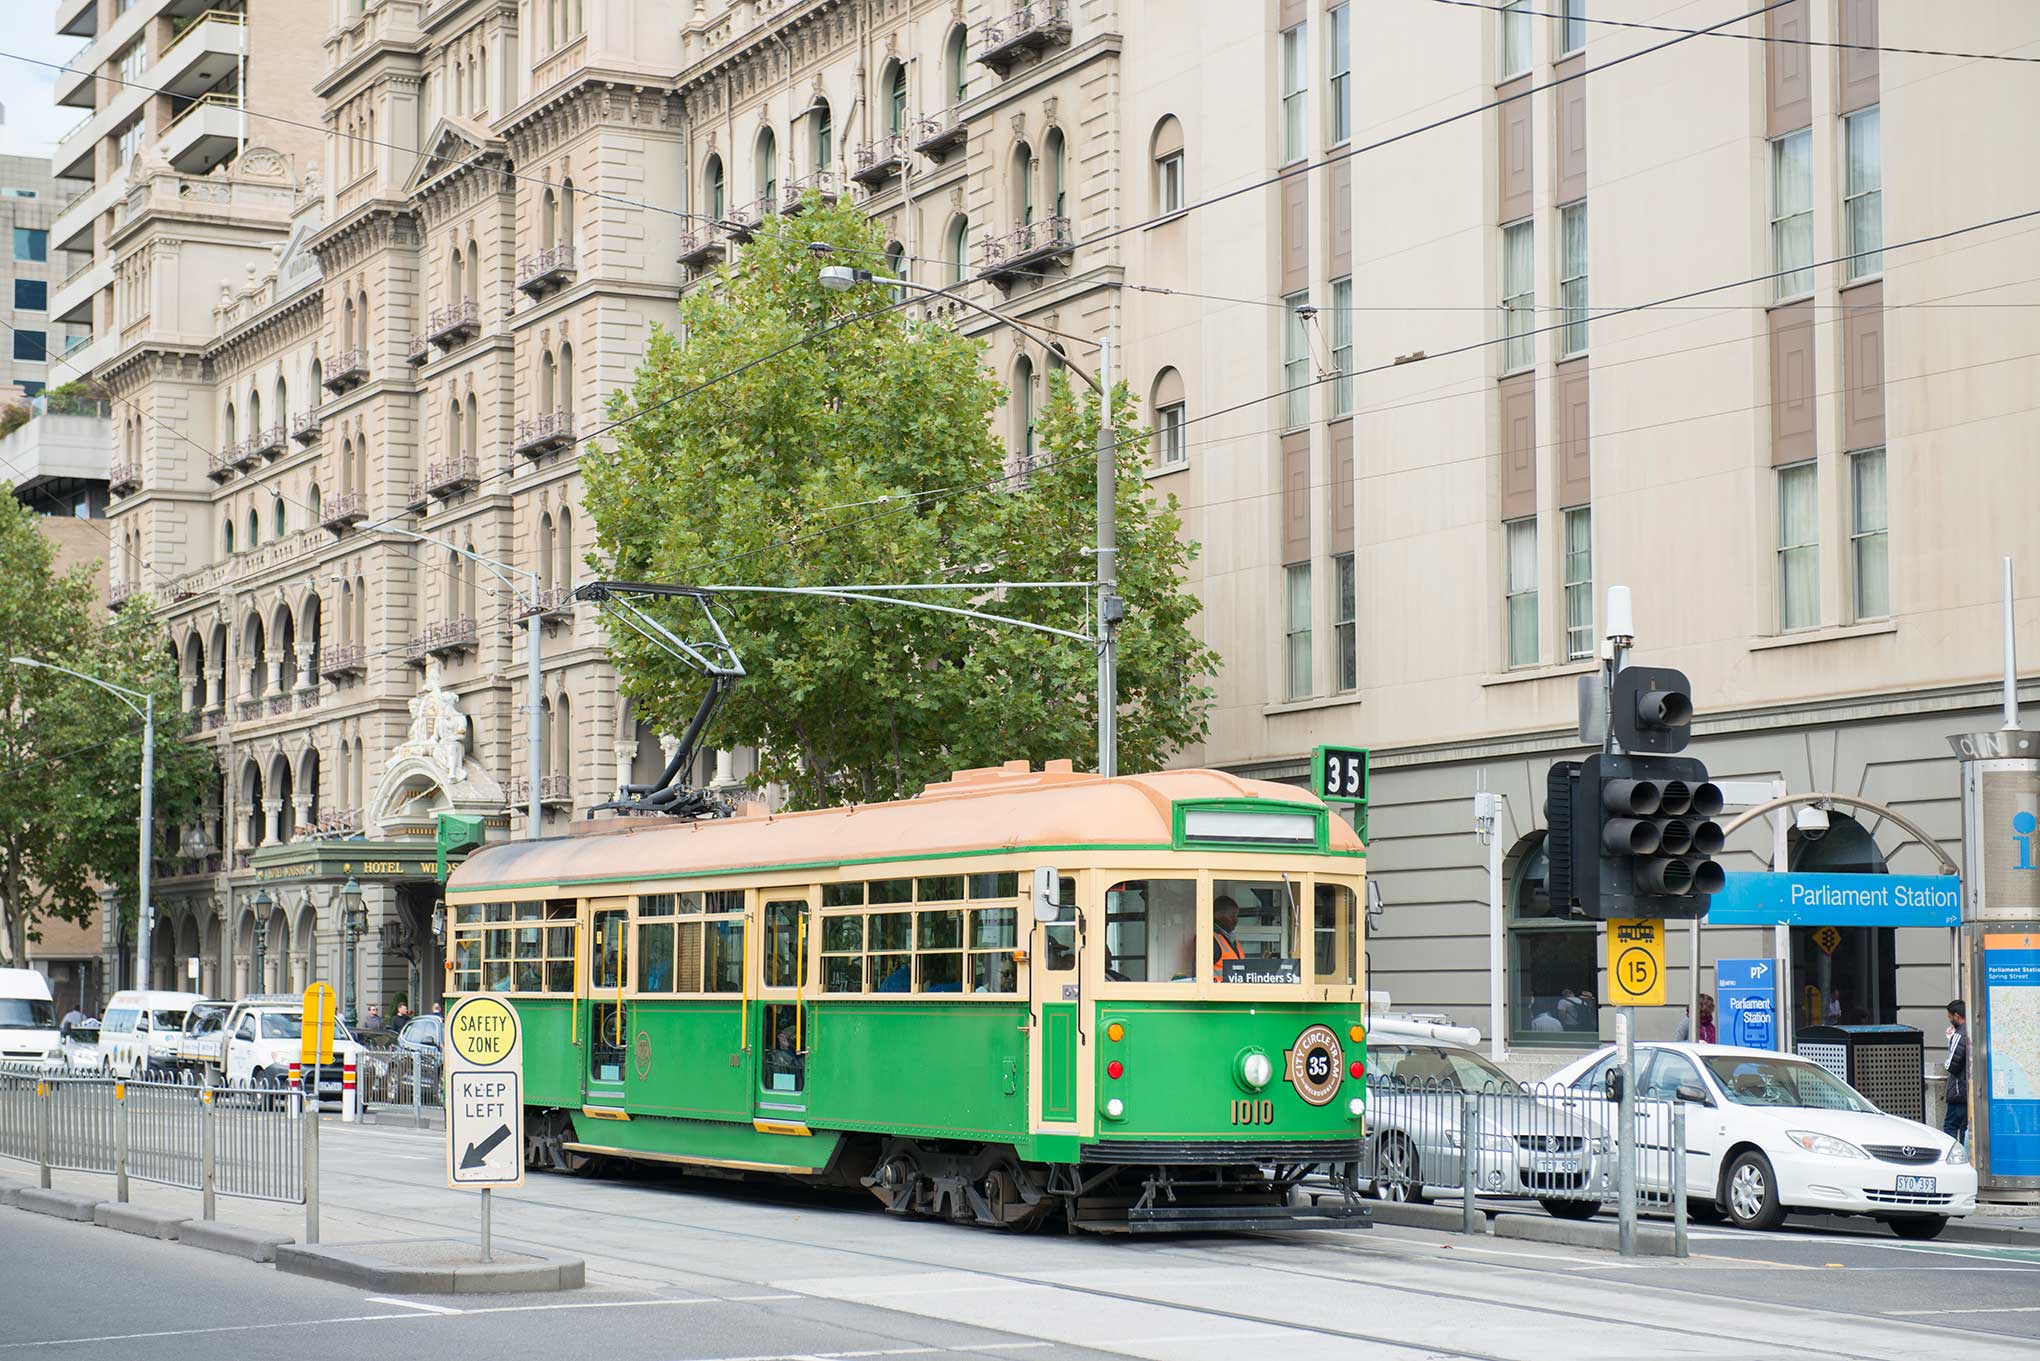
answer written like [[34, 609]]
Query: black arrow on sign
[[477, 1154]]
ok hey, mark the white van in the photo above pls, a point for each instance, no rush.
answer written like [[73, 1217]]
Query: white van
[[142, 1029], [28, 1019]]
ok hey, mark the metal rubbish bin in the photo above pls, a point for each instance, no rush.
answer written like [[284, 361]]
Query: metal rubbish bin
[[1886, 1063]]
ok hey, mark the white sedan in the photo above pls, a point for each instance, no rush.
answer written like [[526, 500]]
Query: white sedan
[[1768, 1134]]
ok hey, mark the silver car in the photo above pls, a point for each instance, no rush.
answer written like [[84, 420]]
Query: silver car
[[1525, 1143]]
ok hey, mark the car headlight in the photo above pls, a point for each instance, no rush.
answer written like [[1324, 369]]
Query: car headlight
[[1600, 1145], [1483, 1139], [1826, 1145], [1958, 1156]]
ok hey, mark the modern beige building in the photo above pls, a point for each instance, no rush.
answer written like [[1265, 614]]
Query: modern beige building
[[1389, 367]]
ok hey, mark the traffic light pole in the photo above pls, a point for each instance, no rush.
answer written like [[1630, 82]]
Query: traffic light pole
[[1621, 633]]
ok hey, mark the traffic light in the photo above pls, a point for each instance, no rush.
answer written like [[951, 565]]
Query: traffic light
[[1634, 835]]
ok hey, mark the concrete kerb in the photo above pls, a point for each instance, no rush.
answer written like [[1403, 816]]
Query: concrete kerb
[[255, 1244], [432, 1267], [60, 1204], [111, 1214], [1404, 1215], [1651, 1240]]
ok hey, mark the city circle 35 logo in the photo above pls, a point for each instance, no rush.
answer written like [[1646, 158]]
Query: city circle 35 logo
[[641, 1054], [1314, 1065], [2024, 824]]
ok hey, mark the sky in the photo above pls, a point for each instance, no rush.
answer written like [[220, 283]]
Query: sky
[[32, 122]]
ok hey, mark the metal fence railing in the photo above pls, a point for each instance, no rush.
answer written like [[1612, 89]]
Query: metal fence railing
[[1558, 1146], [249, 1142], [399, 1078]]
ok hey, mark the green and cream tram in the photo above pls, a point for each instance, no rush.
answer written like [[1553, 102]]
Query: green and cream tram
[[1136, 1002]]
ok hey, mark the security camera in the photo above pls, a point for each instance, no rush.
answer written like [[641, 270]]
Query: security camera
[[1812, 822]]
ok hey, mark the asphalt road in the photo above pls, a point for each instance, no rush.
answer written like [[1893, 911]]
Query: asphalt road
[[689, 1269]]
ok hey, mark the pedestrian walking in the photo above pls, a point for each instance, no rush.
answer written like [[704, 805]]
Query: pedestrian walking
[[1956, 1123]]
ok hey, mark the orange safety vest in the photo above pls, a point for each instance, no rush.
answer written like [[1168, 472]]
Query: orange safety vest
[[1227, 948]]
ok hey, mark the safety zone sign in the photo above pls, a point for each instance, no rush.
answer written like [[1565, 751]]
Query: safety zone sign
[[484, 1094]]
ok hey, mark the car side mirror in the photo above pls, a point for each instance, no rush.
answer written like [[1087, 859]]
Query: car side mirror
[[1696, 1095]]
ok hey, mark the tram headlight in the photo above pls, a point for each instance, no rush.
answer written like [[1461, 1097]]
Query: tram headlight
[[1115, 1109], [1357, 1107], [1257, 1070]]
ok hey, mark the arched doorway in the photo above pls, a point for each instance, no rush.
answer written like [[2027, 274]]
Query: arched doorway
[[1842, 975]]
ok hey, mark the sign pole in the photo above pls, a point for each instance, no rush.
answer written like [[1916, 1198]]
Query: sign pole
[[485, 1224], [484, 1102], [1625, 1165]]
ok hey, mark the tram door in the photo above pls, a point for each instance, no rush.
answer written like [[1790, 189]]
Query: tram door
[[1056, 993], [608, 1026], [784, 1037]]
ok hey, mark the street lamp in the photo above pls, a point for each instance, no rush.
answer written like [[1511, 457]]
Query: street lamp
[[144, 915], [261, 902], [1111, 608], [353, 921], [533, 688]]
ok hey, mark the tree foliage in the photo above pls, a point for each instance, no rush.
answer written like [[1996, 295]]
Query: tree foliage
[[71, 754], [866, 456]]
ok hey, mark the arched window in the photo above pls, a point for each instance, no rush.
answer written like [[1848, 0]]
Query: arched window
[[1553, 971], [227, 536], [1021, 178], [768, 170], [280, 517], [1169, 414], [566, 389], [897, 99], [1169, 188], [1058, 198], [312, 500], [564, 574], [361, 318], [546, 746], [360, 774], [450, 586], [470, 588], [347, 324], [959, 244], [473, 423], [454, 439], [474, 271], [346, 623], [712, 187], [825, 136], [346, 464], [956, 64], [896, 266], [228, 426], [318, 380], [563, 737], [548, 382], [567, 211], [1023, 410], [282, 401], [545, 550], [456, 272], [254, 528], [548, 219], [254, 414], [481, 84]]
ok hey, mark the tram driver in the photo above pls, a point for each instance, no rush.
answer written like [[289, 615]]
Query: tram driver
[[1225, 920]]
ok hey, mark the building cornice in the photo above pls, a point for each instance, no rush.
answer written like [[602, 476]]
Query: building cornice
[[371, 226]]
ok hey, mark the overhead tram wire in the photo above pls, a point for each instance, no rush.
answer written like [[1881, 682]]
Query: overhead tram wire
[[1742, 37]]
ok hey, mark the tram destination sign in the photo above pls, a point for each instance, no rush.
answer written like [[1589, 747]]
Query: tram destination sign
[[1339, 774], [484, 1094]]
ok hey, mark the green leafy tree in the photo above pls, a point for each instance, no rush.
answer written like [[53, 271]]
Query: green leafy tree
[[865, 456], [71, 754]]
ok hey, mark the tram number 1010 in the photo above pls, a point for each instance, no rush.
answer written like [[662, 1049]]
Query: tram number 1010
[[1253, 1112]]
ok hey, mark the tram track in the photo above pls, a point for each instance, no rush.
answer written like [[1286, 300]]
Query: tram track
[[1212, 1312]]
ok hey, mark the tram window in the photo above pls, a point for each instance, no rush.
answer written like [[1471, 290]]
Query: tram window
[[722, 956], [842, 935], [892, 932], [529, 912], [655, 956], [843, 895], [1002, 885], [941, 931], [609, 961], [496, 961], [1337, 928], [992, 928], [467, 912], [722, 900], [1059, 943], [1151, 931], [889, 891], [1254, 932], [496, 912], [892, 973], [939, 973], [842, 973], [687, 957], [657, 905], [785, 955], [785, 1066], [994, 972], [559, 959], [467, 964], [530, 971], [941, 888]]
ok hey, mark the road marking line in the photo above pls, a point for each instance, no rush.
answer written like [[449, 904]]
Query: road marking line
[[756, 1299], [1997, 1309], [201, 1332], [414, 1304]]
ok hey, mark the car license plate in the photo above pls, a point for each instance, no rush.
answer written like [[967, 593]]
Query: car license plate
[[1558, 1164], [1917, 1184]]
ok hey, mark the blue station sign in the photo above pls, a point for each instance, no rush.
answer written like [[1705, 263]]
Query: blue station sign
[[1838, 900]]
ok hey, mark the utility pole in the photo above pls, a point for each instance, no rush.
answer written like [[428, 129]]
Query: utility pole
[[1622, 633], [1111, 609]]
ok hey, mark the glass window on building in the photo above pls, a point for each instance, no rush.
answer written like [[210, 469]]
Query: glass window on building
[[1295, 361], [1792, 214], [1553, 959], [1869, 535], [1572, 278], [1863, 196], [1579, 583], [1798, 547], [1171, 446], [1519, 590], [29, 345], [31, 243], [1296, 631], [1342, 346], [31, 295], [1519, 296], [1339, 64], [1572, 27], [1515, 44], [1345, 622], [1843, 975], [1295, 85]]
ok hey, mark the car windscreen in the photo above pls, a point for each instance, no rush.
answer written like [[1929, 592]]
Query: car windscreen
[[1752, 1081], [120, 1020], [169, 1020], [289, 1025], [27, 1013], [1446, 1069]]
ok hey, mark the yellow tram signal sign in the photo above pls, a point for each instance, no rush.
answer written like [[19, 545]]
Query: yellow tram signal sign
[[316, 1044], [1636, 962]]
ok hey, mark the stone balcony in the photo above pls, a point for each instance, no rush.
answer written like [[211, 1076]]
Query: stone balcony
[[454, 324], [123, 478], [554, 791], [825, 184], [1006, 257], [220, 466], [1032, 26], [446, 477], [347, 369], [545, 434], [552, 603], [348, 659], [344, 511], [268, 443], [879, 161], [246, 455], [447, 638], [305, 427], [704, 246], [543, 271], [936, 134]]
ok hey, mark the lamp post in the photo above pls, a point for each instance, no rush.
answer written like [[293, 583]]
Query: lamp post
[[1111, 608], [353, 921], [261, 902], [533, 688], [144, 913]]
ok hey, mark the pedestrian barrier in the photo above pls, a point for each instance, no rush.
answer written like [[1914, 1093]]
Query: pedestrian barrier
[[398, 1078], [248, 1142], [1428, 1138]]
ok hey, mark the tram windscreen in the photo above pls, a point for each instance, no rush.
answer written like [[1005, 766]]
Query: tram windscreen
[[1336, 935], [1253, 932], [1151, 931]]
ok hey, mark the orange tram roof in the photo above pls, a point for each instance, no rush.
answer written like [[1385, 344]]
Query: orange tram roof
[[1004, 808]]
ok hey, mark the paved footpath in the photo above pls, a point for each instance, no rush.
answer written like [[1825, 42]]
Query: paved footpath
[[698, 1270]]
